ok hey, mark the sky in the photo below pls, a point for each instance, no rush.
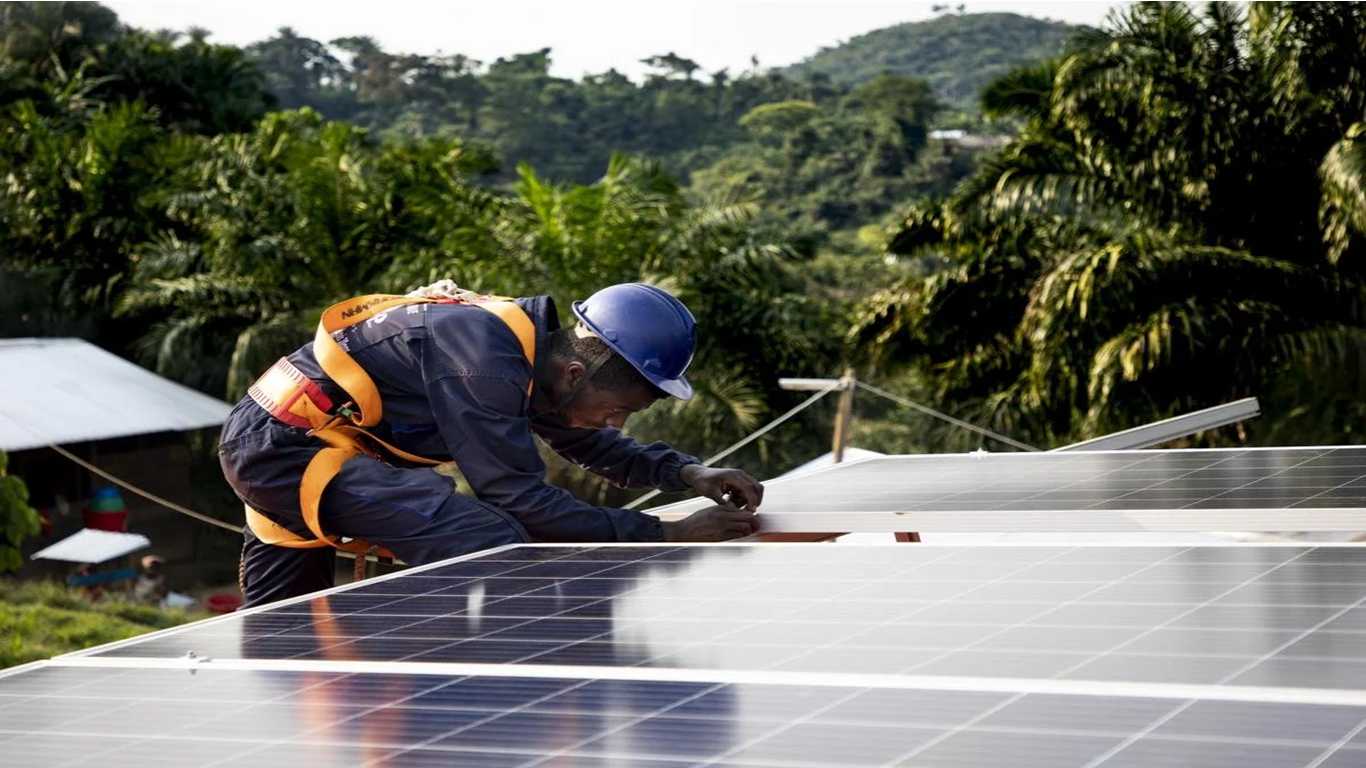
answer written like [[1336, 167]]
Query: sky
[[586, 36]]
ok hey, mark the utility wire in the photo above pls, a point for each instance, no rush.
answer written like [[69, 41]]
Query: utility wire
[[928, 411], [203, 518], [171, 505], [769, 427]]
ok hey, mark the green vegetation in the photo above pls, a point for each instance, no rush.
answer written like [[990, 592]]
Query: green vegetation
[[822, 173], [18, 520], [566, 129], [39, 620], [958, 54], [206, 252], [1180, 223]]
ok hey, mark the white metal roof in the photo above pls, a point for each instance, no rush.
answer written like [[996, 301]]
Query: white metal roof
[[91, 546], [57, 391], [828, 460]]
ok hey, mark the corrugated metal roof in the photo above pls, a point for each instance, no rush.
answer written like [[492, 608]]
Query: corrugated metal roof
[[70, 391], [91, 546]]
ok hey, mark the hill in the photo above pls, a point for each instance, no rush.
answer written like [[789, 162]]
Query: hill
[[957, 54]]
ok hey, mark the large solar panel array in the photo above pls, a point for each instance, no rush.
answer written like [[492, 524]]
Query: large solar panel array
[[754, 655], [778, 655], [1273, 489]]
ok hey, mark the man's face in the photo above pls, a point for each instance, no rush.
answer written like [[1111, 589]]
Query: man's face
[[595, 408]]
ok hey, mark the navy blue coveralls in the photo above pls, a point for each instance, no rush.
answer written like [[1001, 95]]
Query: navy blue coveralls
[[453, 381]]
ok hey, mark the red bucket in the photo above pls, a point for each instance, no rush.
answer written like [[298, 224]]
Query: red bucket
[[223, 602], [106, 521]]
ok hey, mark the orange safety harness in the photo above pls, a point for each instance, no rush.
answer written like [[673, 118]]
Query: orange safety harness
[[294, 399]]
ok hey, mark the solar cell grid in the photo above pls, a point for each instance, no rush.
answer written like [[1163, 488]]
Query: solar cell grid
[[1199, 615], [150, 717]]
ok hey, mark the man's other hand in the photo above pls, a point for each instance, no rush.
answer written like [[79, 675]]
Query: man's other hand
[[724, 485], [717, 523]]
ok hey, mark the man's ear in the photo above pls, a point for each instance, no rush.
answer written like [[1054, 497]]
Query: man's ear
[[574, 373]]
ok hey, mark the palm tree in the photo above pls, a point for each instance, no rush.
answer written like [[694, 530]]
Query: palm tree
[[270, 227], [1179, 223]]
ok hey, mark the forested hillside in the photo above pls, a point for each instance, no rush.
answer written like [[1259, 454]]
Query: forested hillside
[[681, 115], [958, 54]]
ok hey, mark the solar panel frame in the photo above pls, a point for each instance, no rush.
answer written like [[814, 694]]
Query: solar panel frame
[[838, 498]]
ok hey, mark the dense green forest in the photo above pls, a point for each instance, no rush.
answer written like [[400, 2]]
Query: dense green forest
[[1179, 220]]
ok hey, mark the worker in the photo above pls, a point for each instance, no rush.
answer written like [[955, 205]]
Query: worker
[[333, 447]]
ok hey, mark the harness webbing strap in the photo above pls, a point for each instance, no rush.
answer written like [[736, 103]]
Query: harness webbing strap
[[296, 400], [339, 366]]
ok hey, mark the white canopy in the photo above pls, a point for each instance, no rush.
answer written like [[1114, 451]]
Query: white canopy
[[93, 546]]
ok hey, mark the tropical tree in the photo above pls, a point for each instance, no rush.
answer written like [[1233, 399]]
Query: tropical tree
[[48, 38], [72, 206], [266, 229], [1178, 224]]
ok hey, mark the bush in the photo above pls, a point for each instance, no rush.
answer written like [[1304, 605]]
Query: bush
[[18, 520]]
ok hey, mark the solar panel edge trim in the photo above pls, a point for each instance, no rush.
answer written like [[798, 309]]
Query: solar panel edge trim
[[876, 681], [1174, 519], [31, 666], [407, 571]]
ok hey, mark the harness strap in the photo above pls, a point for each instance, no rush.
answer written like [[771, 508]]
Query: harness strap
[[295, 399]]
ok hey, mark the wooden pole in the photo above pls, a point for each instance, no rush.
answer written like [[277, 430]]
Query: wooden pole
[[844, 413]]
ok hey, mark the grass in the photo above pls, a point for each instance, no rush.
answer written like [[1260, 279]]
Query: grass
[[42, 619]]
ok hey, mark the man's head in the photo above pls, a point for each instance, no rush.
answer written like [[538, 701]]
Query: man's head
[[632, 345], [594, 386]]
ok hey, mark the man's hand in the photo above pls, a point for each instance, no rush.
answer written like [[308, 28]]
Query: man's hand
[[712, 524], [718, 484]]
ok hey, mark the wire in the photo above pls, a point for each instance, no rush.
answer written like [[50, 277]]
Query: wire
[[203, 518], [769, 427], [928, 411], [171, 505]]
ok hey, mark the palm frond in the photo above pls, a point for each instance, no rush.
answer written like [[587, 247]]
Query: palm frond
[[1342, 208]]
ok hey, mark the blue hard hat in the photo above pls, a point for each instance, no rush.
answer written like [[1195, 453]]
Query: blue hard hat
[[648, 327]]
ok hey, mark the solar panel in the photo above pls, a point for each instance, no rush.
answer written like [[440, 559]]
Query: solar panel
[[126, 717], [1196, 615], [1273, 489], [777, 655]]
